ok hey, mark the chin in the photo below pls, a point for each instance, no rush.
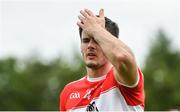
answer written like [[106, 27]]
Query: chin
[[92, 64]]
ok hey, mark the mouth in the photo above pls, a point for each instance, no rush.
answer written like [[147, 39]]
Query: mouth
[[91, 55]]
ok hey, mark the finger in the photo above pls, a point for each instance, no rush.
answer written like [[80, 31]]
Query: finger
[[84, 13], [80, 24], [81, 18], [101, 13], [90, 13]]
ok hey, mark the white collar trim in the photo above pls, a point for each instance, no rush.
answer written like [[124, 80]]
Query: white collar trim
[[96, 79]]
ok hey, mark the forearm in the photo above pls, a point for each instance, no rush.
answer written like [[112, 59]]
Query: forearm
[[119, 54], [113, 47]]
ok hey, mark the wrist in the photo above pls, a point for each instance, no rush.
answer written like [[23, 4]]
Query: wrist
[[97, 30]]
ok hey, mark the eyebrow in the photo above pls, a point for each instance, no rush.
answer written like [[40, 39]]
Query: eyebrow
[[86, 38]]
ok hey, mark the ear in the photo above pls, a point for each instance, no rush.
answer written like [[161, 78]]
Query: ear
[[81, 48], [82, 53]]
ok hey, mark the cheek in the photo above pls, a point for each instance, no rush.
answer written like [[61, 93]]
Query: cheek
[[102, 56]]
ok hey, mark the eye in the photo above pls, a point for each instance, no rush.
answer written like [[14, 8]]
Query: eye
[[85, 40]]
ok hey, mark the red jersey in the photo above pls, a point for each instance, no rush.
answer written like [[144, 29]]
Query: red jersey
[[102, 94]]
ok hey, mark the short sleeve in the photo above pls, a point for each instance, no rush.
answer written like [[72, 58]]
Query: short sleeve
[[134, 96], [63, 98]]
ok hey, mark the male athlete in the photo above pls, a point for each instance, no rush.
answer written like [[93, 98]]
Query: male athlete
[[113, 81]]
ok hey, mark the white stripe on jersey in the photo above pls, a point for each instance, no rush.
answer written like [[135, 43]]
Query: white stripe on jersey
[[111, 100]]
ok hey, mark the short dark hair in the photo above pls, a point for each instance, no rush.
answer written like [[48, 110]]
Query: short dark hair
[[110, 26]]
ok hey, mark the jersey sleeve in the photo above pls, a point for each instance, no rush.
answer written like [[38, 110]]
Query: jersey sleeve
[[134, 96], [63, 98], [62, 101]]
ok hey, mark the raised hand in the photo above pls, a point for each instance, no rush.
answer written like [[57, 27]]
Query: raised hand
[[90, 22]]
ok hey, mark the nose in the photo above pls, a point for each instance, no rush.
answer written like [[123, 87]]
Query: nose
[[92, 44]]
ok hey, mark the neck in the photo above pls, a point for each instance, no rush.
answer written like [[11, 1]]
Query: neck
[[94, 73]]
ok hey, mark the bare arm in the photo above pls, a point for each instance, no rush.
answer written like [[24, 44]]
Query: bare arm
[[117, 52]]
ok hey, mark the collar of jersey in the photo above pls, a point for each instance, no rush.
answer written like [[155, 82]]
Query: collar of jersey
[[90, 79]]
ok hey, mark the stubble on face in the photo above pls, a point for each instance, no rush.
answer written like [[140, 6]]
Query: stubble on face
[[95, 65], [92, 65]]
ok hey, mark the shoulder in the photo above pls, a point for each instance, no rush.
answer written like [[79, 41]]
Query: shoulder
[[68, 90], [139, 82], [137, 88], [134, 95], [70, 87], [74, 84]]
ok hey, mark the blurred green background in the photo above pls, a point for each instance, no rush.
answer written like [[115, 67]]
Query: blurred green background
[[33, 84]]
